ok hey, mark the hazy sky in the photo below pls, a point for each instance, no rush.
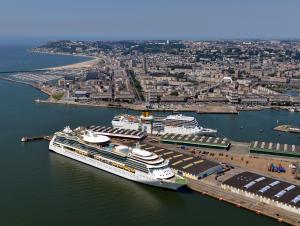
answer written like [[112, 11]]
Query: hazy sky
[[138, 19]]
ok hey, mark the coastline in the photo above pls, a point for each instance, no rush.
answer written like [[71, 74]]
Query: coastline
[[206, 109], [200, 109], [203, 109], [26, 83], [60, 53], [83, 64]]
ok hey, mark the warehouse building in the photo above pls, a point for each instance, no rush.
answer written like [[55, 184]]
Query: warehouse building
[[196, 141], [184, 164], [269, 148], [265, 189]]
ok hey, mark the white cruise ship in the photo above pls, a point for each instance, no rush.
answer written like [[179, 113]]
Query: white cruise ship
[[131, 163], [177, 124]]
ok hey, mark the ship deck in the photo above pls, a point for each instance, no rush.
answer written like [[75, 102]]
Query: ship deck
[[117, 132]]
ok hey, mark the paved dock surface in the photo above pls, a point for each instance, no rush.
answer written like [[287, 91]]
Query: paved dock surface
[[239, 147], [215, 191]]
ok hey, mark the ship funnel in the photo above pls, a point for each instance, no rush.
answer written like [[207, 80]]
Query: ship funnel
[[146, 113]]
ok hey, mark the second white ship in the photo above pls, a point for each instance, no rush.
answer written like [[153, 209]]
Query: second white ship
[[176, 124]]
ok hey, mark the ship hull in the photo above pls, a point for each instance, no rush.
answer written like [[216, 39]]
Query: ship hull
[[137, 176]]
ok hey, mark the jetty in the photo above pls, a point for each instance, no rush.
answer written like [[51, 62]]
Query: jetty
[[22, 71], [35, 138], [287, 128]]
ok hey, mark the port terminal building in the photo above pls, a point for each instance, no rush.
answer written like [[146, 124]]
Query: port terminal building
[[196, 141], [265, 189], [269, 148]]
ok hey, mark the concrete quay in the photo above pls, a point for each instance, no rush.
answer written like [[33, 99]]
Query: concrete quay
[[205, 109], [214, 190], [35, 86], [217, 109]]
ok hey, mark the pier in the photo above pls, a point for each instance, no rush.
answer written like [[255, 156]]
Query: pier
[[287, 128], [35, 138], [22, 71]]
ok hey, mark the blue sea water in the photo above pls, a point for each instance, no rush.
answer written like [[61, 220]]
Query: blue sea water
[[15, 58]]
